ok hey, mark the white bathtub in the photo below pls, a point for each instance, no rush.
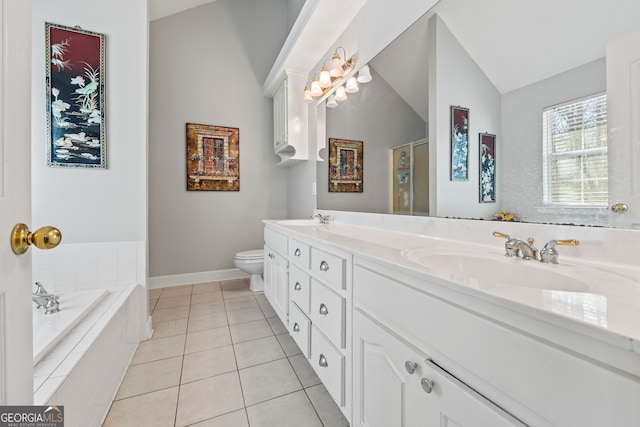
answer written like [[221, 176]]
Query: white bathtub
[[94, 354], [51, 329]]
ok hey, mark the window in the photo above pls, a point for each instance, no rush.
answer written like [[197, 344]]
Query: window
[[575, 153]]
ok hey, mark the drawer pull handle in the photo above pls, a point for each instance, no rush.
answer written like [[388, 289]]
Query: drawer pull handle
[[323, 361], [324, 310], [296, 327], [410, 366], [297, 252], [297, 286], [427, 385], [324, 266]]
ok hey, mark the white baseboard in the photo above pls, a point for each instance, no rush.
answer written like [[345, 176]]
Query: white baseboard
[[193, 278]]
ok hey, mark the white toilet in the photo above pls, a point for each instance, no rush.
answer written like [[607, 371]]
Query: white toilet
[[252, 262]]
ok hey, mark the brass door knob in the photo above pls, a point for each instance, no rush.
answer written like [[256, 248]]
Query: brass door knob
[[43, 238]]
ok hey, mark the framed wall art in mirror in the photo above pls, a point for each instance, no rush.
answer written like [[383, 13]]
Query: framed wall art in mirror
[[345, 166], [75, 85], [487, 167], [459, 143], [213, 158]]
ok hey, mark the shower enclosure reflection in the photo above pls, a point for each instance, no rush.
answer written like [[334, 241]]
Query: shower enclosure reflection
[[409, 174]]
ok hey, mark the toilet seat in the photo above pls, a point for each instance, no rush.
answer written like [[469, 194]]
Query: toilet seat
[[250, 255]]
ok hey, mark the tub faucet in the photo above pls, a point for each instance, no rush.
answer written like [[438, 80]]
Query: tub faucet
[[324, 219], [44, 299]]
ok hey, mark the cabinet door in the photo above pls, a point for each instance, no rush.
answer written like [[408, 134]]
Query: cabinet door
[[280, 287], [280, 117], [395, 384], [386, 393], [269, 278], [456, 404]]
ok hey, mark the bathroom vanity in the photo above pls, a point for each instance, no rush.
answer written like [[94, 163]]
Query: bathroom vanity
[[437, 327]]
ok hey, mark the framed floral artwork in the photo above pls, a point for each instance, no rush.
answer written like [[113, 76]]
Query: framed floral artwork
[[487, 168], [75, 84], [459, 144], [213, 158], [345, 166]]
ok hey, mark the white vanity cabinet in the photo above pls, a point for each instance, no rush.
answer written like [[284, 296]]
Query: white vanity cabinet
[[488, 367], [276, 272], [397, 385]]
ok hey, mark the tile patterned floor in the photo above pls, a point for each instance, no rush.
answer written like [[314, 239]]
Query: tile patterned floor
[[219, 356]]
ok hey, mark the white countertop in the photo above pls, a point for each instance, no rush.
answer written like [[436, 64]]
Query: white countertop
[[601, 300]]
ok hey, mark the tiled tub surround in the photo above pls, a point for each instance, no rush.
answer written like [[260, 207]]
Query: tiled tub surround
[[597, 324], [84, 370], [82, 266]]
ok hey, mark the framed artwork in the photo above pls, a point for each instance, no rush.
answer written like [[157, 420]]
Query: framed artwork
[[487, 168], [75, 85], [213, 158], [459, 144], [345, 166]]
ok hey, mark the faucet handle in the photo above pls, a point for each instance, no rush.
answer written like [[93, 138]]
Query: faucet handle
[[510, 246], [549, 254]]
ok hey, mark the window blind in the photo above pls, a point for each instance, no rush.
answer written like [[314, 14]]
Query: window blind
[[575, 153]]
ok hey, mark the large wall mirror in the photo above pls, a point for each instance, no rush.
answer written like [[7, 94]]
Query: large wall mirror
[[507, 63]]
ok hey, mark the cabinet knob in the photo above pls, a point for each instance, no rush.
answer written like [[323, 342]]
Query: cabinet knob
[[324, 310], [410, 366], [296, 327], [324, 266], [297, 286], [323, 361], [427, 385], [297, 252]]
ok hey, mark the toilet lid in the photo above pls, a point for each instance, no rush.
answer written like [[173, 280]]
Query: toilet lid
[[257, 253]]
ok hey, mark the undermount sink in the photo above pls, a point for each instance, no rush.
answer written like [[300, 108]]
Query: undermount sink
[[495, 269]]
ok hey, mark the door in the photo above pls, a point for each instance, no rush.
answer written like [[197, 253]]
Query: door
[[281, 286], [623, 99], [386, 378], [16, 346]]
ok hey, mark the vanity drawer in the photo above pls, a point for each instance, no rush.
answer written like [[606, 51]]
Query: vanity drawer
[[299, 329], [329, 364], [328, 312], [299, 253], [299, 288], [275, 240], [328, 268]]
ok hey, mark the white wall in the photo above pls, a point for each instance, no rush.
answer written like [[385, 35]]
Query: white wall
[[522, 134], [207, 66], [92, 205], [455, 79], [380, 118]]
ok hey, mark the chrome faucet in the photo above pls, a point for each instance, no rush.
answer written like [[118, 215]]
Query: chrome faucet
[[549, 254], [518, 248], [324, 219], [44, 299]]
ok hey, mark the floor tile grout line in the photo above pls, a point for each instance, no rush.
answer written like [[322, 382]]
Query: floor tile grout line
[[184, 349]]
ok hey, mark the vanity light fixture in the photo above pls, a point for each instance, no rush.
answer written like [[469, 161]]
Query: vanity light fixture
[[364, 75], [331, 102], [352, 85], [324, 80]]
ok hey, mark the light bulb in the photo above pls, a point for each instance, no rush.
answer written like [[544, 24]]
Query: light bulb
[[315, 87], [325, 78], [341, 94], [352, 85], [307, 95], [331, 102], [336, 66], [364, 75]]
